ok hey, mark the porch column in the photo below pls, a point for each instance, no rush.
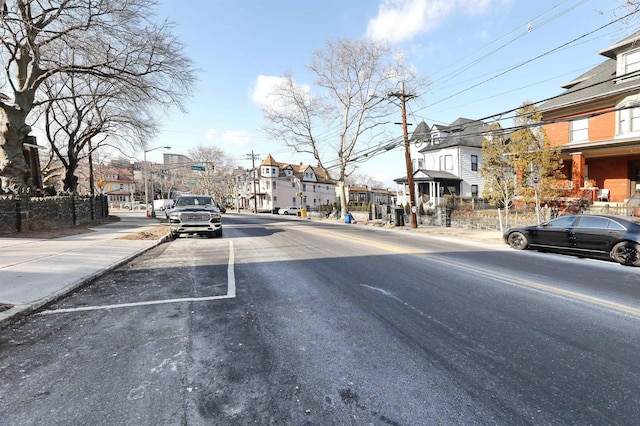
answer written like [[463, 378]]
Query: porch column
[[433, 192], [577, 170]]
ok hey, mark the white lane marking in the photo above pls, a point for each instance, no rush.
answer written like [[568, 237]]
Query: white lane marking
[[385, 292], [231, 294], [231, 272]]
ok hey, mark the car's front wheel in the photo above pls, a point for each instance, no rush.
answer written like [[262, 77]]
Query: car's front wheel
[[518, 240], [626, 253], [286, 212]]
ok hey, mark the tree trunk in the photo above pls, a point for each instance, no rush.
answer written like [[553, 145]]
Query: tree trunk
[[14, 170], [343, 198], [70, 179]]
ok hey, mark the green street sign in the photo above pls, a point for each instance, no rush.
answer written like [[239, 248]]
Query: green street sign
[[200, 168]]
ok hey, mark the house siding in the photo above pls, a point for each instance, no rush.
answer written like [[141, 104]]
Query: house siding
[[468, 176]]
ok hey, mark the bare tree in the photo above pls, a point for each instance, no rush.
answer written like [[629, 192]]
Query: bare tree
[[216, 179], [106, 39], [350, 77], [361, 179], [83, 113]]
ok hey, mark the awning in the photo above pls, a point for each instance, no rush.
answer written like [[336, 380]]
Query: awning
[[430, 176]]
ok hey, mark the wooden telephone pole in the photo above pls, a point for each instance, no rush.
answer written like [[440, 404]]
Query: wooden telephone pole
[[254, 176], [407, 154]]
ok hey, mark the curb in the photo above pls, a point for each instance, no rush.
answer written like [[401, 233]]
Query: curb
[[18, 312]]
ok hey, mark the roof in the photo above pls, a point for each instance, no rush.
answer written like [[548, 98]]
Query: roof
[[462, 132], [626, 43], [599, 82], [421, 134], [423, 175], [298, 169], [269, 161]]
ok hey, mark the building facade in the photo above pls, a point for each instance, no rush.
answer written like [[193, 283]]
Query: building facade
[[280, 185], [446, 160], [596, 124]]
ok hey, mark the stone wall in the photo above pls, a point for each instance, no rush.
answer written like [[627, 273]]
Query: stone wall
[[22, 214]]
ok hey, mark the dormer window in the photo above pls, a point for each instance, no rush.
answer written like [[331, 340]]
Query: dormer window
[[628, 62]]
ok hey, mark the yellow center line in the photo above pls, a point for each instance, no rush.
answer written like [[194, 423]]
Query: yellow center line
[[493, 275]]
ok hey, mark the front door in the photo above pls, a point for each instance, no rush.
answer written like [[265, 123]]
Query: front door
[[634, 177]]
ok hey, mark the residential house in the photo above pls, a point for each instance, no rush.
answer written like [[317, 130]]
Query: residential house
[[286, 184], [116, 183], [364, 194], [446, 160], [596, 124]]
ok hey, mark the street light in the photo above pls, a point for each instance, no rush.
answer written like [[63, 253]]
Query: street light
[[146, 193]]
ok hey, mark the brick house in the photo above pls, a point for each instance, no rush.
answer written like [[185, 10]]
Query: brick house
[[596, 124]]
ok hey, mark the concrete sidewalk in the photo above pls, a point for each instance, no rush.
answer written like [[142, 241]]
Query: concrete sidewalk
[[33, 272]]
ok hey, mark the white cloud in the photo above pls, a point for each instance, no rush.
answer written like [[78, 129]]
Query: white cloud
[[236, 137], [211, 134], [266, 87], [269, 92], [402, 20]]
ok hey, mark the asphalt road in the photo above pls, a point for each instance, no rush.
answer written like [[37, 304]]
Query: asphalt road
[[292, 322]]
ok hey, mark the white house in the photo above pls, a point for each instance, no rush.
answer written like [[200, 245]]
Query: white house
[[446, 160], [285, 184]]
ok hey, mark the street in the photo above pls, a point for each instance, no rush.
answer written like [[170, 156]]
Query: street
[[289, 321]]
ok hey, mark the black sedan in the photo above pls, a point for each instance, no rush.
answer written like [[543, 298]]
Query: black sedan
[[602, 236]]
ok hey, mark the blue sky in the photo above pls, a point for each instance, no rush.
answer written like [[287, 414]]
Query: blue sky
[[455, 44]]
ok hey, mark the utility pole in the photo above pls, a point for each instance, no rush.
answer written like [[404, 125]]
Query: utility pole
[[403, 98], [253, 177]]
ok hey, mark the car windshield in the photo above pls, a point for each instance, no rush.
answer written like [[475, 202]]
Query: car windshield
[[194, 201]]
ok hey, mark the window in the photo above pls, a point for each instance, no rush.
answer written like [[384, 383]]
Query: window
[[629, 62], [274, 185], [587, 221], [628, 120], [304, 187], [580, 130], [448, 162], [562, 221], [474, 163], [474, 191]]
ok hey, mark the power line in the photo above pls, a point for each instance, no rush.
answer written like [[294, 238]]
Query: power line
[[530, 60], [517, 28]]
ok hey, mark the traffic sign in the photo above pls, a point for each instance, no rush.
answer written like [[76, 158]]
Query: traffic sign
[[200, 168]]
